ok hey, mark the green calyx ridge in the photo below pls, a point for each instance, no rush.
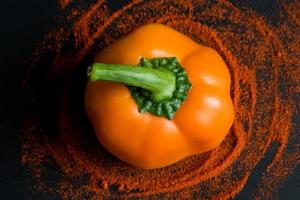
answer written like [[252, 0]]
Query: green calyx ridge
[[167, 107], [159, 86]]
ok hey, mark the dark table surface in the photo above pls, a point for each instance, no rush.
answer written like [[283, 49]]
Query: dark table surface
[[23, 24]]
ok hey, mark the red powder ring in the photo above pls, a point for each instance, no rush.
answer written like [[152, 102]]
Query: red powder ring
[[260, 60]]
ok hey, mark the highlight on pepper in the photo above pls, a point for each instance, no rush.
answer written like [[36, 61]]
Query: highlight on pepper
[[155, 97]]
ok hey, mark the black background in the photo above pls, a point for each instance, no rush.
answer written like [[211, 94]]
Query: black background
[[22, 25]]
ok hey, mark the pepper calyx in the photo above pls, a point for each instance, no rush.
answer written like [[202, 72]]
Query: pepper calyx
[[166, 107]]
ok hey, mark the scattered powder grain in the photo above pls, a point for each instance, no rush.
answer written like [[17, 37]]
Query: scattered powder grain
[[264, 62]]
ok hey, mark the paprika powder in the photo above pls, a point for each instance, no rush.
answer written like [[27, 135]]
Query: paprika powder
[[263, 61]]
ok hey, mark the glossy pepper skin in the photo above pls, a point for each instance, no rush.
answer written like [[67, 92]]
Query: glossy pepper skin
[[148, 141]]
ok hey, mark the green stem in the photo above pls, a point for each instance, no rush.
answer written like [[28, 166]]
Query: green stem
[[160, 82], [158, 85]]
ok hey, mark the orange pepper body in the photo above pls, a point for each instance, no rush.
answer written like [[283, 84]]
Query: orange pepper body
[[149, 141]]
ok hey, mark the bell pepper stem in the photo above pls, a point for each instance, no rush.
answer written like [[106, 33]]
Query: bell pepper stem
[[160, 82]]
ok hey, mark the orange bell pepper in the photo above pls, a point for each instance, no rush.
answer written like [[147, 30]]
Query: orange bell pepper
[[143, 136]]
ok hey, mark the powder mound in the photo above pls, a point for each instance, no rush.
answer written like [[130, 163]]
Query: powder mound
[[264, 67]]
